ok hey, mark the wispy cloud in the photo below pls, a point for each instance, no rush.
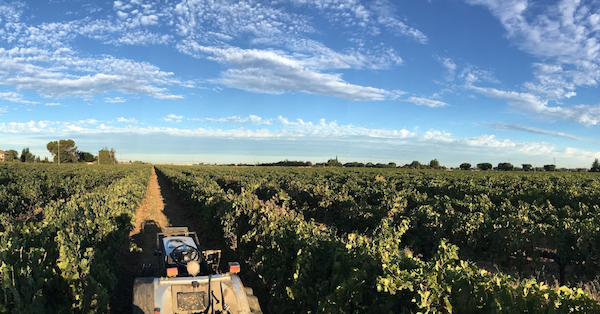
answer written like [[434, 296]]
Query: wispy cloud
[[274, 72], [530, 129], [127, 120], [530, 103], [285, 121], [51, 66], [565, 35], [38, 71], [253, 119], [115, 100], [291, 132], [173, 118], [16, 98], [432, 103], [385, 12]]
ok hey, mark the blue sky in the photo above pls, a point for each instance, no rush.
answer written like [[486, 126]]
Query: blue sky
[[221, 81]]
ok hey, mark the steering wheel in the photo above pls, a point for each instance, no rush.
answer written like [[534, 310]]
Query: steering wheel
[[184, 253]]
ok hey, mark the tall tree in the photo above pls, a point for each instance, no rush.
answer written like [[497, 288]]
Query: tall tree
[[63, 150], [415, 165], [107, 157], [435, 164], [12, 155], [334, 162], [465, 166], [550, 167], [85, 157], [27, 156], [527, 167], [595, 166], [484, 166], [505, 166]]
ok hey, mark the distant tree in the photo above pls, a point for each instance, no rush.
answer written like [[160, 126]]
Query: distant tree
[[414, 165], [334, 163], [465, 166], [27, 156], [108, 157], [388, 165], [354, 164], [85, 157], [527, 167], [550, 167], [484, 166], [435, 164], [12, 155], [595, 166], [505, 166], [369, 165], [63, 149]]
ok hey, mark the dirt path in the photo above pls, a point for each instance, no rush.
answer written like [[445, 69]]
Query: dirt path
[[159, 209]]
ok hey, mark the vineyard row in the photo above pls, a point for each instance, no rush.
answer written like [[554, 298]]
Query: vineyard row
[[389, 241]]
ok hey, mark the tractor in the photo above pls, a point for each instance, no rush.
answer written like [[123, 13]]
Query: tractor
[[188, 280]]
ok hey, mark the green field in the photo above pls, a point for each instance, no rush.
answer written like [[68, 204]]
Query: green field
[[333, 240], [388, 240], [60, 229]]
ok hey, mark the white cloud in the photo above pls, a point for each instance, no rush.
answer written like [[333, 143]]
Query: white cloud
[[88, 121], [221, 21], [274, 72], [505, 146], [529, 103], [386, 18], [126, 120], [525, 128], [16, 98], [53, 104], [427, 102], [53, 69], [485, 146], [285, 121], [57, 73], [450, 67], [564, 34], [438, 136], [122, 15], [254, 119], [316, 55], [173, 118], [30, 127], [114, 100], [372, 16]]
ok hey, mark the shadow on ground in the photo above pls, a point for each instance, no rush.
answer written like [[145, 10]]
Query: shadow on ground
[[131, 263]]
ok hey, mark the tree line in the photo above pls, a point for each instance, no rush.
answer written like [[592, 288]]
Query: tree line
[[64, 151], [433, 164], [506, 166], [334, 162]]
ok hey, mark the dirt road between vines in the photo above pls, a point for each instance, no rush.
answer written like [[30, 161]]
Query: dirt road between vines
[[159, 209]]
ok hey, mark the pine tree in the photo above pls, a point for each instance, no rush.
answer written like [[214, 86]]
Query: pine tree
[[595, 166]]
